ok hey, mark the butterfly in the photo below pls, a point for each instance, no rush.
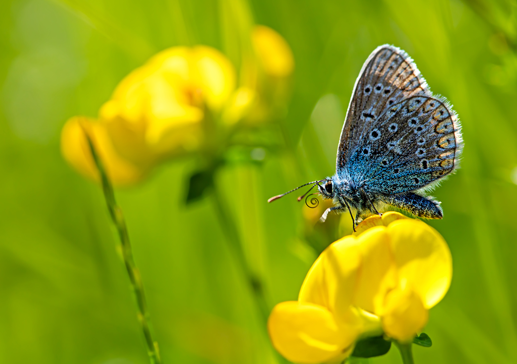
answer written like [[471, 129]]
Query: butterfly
[[398, 141]]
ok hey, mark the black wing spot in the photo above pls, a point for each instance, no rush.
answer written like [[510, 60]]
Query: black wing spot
[[424, 164], [396, 170], [420, 152], [375, 134], [413, 122], [417, 180], [387, 91], [393, 127], [384, 162], [419, 129]]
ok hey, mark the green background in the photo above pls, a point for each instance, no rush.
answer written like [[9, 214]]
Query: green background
[[64, 295]]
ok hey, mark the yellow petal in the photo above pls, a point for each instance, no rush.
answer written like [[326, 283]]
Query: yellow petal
[[76, 151], [375, 220], [332, 278], [377, 272], [404, 314], [127, 135], [423, 259], [215, 75], [272, 51], [174, 61], [307, 333], [200, 68]]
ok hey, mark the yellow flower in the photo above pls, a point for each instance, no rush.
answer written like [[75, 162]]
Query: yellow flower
[[384, 279], [160, 110]]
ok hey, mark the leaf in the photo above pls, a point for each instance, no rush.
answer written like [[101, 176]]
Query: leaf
[[198, 183], [372, 346], [423, 340]]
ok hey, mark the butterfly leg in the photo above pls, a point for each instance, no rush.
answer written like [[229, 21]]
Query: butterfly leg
[[374, 208], [418, 205], [351, 216]]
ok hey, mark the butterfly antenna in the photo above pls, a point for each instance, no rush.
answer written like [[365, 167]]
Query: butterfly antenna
[[306, 193], [294, 189]]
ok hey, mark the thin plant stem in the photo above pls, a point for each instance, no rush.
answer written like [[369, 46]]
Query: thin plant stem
[[119, 222], [405, 352], [230, 229]]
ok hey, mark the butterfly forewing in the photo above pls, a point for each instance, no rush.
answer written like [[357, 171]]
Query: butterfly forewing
[[388, 76]]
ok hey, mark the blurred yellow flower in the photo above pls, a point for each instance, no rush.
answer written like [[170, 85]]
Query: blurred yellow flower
[[183, 100], [157, 111], [384, 279]]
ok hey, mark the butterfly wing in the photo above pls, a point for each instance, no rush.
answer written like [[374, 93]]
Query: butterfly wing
[[413, 144], [388, 76], [397, 136]]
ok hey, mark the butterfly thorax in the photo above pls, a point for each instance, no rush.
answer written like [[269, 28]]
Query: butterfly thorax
[[343, 191]]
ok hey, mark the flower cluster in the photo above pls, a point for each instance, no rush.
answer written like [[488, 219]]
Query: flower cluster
[[179, 102], [381, 280]]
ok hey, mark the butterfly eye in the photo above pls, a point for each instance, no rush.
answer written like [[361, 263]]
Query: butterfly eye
[[328, 187]]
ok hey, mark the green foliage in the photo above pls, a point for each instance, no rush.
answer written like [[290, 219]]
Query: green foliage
[[198, 184], [371, 347], [423, 340], [65, 295]]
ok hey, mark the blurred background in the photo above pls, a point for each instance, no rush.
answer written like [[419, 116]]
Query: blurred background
[[64, 293]]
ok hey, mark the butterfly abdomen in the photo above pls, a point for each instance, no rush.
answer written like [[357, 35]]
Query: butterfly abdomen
[[425, 207]]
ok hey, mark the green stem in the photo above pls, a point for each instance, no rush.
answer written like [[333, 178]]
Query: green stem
[[118, 220], [230, 229], [405, 352]]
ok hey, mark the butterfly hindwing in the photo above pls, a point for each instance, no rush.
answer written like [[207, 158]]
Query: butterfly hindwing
[[414, 143], [388, 76]]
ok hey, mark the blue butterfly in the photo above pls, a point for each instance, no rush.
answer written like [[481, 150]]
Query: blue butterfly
[[398, 141]]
